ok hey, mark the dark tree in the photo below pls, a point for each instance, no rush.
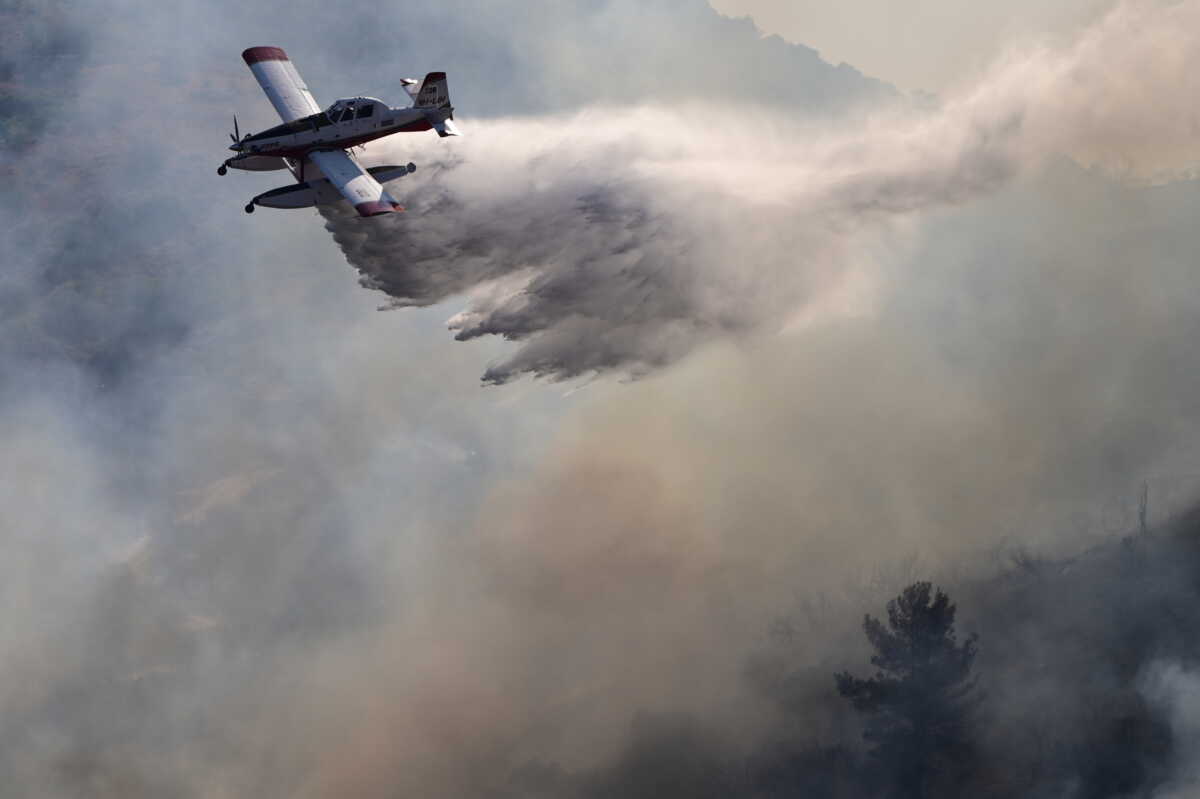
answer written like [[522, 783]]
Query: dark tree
[[919, 702]]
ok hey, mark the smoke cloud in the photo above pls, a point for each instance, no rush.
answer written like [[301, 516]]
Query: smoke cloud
[[267, 541]]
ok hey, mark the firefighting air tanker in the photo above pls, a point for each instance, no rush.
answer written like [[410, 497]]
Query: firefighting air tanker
[[313, 144]]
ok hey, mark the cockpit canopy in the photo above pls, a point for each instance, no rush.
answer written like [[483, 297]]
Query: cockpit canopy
[[342, 111], [352, 108]]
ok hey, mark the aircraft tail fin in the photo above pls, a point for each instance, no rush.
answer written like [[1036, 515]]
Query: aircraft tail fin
[[433, 92]]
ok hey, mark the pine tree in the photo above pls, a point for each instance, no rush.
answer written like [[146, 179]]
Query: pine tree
[[918, 703]]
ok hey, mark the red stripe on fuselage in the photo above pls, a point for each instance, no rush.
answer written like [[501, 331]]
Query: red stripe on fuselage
[[415, 126], [253, 55]]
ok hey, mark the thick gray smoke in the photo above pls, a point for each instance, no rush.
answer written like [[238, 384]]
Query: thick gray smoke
[[622, 239], [1173, 688], [266, 541]]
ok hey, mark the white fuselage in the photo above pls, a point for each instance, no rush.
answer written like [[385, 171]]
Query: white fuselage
[[345, 124]]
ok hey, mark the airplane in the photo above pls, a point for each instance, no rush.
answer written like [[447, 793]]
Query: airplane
[[314, 144]]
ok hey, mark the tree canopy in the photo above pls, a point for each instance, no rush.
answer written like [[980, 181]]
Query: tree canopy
[[918, 703]]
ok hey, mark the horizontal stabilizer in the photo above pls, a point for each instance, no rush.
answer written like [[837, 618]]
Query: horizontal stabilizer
[[445, 127]]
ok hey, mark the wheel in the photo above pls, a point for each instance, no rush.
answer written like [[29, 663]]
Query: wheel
[[221, 170], [249, 208], [411, 167]]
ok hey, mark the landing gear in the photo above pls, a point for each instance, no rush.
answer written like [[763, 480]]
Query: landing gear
[[250, 207], [411, 167], [221, 170]]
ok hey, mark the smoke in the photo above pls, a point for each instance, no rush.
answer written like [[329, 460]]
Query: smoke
[[1174, 691], [270, 542], [622, 239]]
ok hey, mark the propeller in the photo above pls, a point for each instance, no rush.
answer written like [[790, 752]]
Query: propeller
[[236, 138]]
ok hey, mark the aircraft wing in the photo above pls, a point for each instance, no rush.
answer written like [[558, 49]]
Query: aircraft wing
[[282, 83], [356, 185]]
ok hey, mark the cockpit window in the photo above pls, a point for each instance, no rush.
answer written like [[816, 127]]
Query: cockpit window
[[337, 112]]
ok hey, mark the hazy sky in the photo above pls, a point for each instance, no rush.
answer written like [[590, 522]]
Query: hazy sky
[[923, 44]]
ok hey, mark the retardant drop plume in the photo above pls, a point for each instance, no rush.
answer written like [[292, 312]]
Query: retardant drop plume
[[622, 238]]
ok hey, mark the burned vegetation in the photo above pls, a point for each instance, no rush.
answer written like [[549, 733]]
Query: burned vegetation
[[1073, 682]]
